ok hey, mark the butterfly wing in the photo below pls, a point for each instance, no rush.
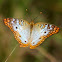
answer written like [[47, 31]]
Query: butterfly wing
[[40, 32], [21, 30]]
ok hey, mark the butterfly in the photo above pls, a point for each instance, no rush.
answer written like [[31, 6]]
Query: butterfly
[[30, 34]]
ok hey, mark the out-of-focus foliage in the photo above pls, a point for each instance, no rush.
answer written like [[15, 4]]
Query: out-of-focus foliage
[[51, 49]]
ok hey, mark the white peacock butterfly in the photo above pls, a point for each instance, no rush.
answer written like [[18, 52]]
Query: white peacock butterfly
[[30, 34]]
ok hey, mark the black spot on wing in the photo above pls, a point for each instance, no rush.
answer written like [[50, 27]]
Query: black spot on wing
[[16, 27]]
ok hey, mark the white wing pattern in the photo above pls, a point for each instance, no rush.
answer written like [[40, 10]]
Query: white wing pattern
[[21, 30], [40, 32], [30, 34]]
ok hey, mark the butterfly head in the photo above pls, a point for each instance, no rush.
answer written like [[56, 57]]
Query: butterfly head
[[31, 24]]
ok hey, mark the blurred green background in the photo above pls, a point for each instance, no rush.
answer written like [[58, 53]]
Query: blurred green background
[[51, 49]]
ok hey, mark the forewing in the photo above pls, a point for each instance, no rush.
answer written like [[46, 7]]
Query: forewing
[[40, 32], [21, 30]]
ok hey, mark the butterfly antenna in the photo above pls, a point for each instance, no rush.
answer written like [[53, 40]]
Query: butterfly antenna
[[40, 12], [11, 53], [37, 16], [28, 14]]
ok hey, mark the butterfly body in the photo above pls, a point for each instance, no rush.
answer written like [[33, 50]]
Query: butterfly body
[[30, 34]]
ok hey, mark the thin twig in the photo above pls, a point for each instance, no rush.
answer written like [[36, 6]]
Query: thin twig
[[11, 53]]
